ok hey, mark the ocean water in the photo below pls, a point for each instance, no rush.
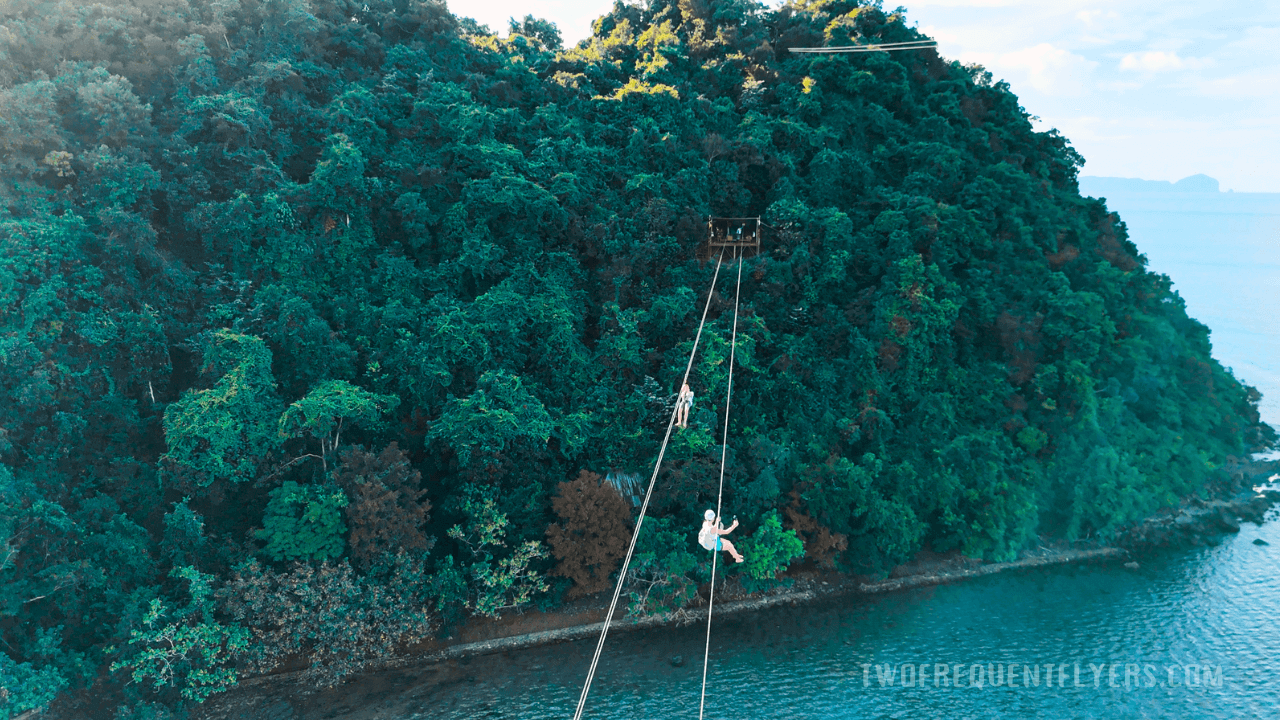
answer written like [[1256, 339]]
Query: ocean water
[[1190, 634], [1222, 251]]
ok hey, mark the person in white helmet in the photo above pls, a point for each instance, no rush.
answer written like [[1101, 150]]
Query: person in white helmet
[[710, 535], [683, 402]]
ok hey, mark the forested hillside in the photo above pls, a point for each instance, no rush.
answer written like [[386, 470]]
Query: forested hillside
[[320, 323]]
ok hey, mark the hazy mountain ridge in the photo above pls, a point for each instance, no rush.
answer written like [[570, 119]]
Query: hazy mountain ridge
[[1197, 193], [1198, 183]]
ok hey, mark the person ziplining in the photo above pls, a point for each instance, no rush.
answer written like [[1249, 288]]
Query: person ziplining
[[712, 522], [712, 528], [711, 537], [644, 505], [683, 403]]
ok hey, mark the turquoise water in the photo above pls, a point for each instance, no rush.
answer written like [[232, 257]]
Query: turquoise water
[[1208, 614]]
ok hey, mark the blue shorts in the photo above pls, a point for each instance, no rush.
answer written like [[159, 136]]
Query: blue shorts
[[718, 544]]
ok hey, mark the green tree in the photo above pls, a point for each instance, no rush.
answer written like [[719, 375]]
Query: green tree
[[768, 552], [500, 413], [324, 411], [304, 522], [660, 574], [192, 652], [23, 687], [544, 31], [185, 542], [498, 583], [226, 432]]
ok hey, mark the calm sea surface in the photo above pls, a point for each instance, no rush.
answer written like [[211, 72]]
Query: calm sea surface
[[1197, 632]]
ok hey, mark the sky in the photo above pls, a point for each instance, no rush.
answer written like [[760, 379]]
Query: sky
[[1152, 89]]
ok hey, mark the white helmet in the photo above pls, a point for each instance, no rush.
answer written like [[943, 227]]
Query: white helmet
[[709, 515]]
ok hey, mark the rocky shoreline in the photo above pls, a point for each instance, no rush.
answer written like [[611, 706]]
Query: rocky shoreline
[[804, 591], [275, 697], [1246, 497]]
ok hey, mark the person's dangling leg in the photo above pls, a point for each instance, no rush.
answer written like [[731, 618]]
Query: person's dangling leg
[[728, 546]]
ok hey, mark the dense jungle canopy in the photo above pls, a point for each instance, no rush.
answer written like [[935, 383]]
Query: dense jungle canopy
[[321, 321]]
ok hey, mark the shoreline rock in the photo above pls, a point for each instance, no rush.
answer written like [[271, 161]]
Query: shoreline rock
[[1204, 522]]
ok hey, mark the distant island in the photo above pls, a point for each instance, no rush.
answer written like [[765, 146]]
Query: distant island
[[1100, 186]]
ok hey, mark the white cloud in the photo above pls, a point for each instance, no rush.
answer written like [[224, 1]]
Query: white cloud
[[970, 3], [572, 17], [1050, 70], [1159, 61], [1246, 86], [1119, 86], [1087, 16], [944, 35], [1256, 38], [1272, 122]]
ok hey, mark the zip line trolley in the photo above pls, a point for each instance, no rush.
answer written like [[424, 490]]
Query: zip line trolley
[[738, 233]]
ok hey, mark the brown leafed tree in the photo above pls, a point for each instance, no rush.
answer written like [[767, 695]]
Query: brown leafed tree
[[388, 509], [593, 532], [820, 544]]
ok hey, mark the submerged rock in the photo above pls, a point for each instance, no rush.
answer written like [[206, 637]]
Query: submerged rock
[[1131, 565], [1260, 541], [677, 661]]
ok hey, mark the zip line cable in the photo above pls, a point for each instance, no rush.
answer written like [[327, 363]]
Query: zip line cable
[[881, 47], [724, 448], [622, 575]]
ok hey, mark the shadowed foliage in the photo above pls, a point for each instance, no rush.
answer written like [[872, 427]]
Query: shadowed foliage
[[340, 620]]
